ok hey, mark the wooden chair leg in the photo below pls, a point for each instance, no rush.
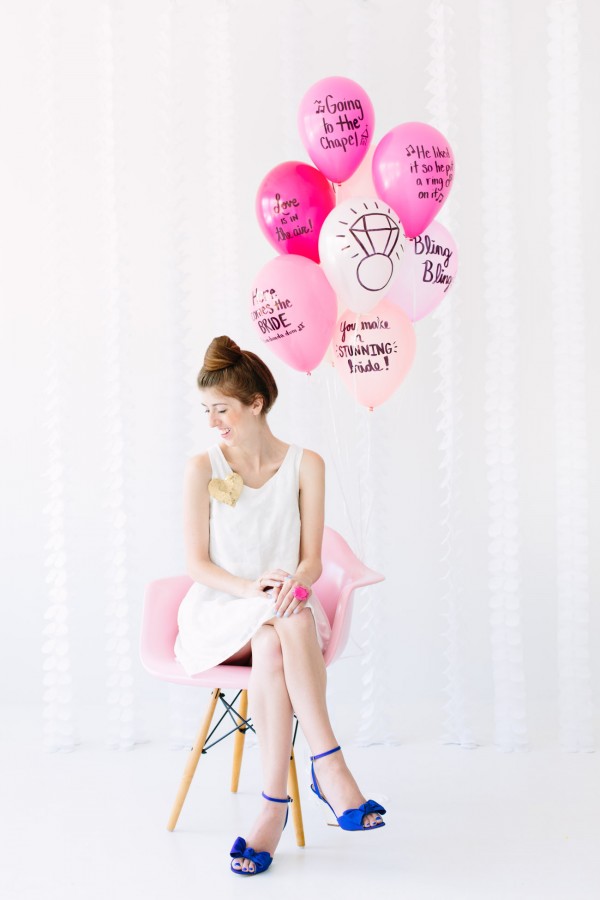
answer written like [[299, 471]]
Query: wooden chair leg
[[238, 743], [193, 758], [295, 795]]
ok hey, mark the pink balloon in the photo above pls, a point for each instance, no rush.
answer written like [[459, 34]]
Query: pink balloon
[[294, 309], [413, 168], [361, 183], [427, 272], [292, 202], [336, 123], [373, 351]]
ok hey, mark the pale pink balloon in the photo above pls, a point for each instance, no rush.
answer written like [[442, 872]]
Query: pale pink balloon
[[294, 309], [336, 122], [428, 270], [361, 183], [373, 352], [413, 169], [292, 203]]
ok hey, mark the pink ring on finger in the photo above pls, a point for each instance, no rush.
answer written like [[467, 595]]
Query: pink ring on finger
[[300, 593]]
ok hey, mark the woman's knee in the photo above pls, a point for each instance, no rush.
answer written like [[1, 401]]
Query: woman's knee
[[266, 649], [301, 625]]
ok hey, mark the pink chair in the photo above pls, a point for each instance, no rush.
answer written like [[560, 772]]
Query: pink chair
[[342, 574]]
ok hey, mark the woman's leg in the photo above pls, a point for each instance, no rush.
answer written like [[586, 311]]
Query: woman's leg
[[306, 679], [272, 713]]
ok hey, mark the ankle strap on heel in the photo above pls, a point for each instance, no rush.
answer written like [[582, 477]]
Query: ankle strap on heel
[[277, 799], [327, 752]]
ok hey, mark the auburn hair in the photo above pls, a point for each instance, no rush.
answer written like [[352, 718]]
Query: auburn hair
[[237, 373]]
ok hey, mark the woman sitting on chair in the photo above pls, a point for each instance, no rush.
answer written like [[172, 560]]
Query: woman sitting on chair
[[254, 510]]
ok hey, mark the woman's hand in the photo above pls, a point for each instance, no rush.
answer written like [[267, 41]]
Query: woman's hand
[[292, 596], [271, 580]]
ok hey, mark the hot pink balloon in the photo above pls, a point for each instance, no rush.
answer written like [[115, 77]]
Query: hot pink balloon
[[336, 123], [428, 270], [292, 202], [373, 351], [294, 310], [413, 168]]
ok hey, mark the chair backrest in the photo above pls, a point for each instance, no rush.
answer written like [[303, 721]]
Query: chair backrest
[[342, 573], [159, 620]]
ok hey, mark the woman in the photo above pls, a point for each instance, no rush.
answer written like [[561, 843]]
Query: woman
[[254, 509]]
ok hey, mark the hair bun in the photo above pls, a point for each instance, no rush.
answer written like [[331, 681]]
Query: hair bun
[[237, 373], [222, 352]]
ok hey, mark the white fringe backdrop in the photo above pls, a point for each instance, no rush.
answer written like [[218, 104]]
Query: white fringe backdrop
[[120, 632], [59, 732], [575, 707], [441, 86], [180, 356], [136, 136], [501, 376]]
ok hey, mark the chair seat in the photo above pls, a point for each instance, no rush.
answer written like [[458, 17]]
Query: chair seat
[[342, 574], [236, 677]]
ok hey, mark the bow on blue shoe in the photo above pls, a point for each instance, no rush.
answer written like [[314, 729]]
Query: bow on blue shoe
[[261, 860], [351, 819]]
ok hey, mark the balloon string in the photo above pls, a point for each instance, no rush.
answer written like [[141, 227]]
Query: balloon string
[[337, 455], [357, 443], [369, 492], [363, 481], [355, 649], [413, 281]]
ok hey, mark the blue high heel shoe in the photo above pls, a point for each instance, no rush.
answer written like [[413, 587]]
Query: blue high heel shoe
[[261, 860], [351, 819]]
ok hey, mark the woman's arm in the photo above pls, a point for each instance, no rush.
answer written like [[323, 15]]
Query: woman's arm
[[198, 473], [312, 521]]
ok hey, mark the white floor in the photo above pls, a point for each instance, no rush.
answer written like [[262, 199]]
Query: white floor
[[465, 824]]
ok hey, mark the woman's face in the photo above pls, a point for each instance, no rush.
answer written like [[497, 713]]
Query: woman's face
[[232, 417]]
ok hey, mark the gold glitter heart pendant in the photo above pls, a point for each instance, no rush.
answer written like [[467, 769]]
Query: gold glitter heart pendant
[[226, 490]]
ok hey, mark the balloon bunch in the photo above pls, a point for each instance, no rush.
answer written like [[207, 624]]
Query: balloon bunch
[[360, 226]]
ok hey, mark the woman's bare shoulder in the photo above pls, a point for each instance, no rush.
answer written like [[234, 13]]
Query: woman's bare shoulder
[[199, 467], [311, 462]]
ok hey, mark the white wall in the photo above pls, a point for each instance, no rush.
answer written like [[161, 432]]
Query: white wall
[[134, 137]]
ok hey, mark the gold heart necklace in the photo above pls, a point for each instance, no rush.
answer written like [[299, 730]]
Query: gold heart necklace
[[226, 490]]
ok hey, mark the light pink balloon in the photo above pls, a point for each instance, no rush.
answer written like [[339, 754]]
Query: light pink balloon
[[361, 183], [373, 351], [413, 168], [428, 270], [292, 203], [336, 122], [294, 309]]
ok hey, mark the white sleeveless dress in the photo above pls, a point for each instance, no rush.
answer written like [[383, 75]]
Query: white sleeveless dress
[[261, 532]]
